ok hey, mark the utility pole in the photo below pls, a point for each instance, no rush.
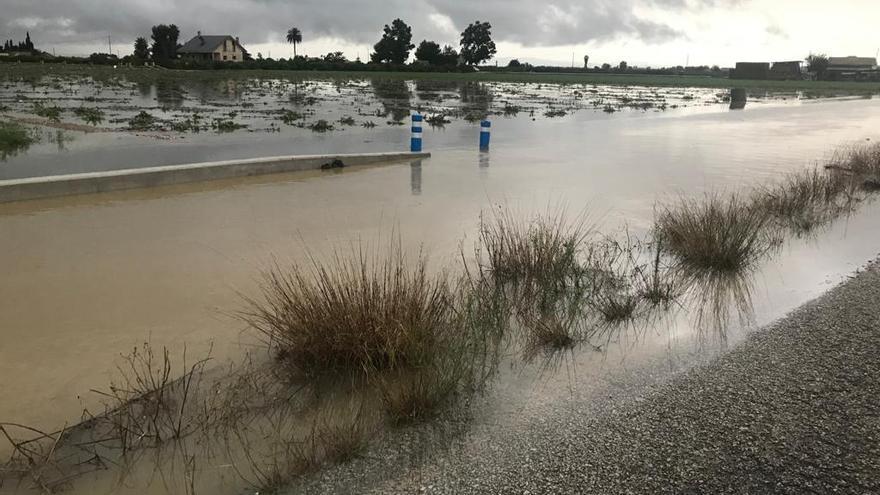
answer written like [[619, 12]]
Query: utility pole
[[109, 45]]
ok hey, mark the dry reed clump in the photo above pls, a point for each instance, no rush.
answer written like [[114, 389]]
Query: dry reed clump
[[863, 162], [804, 201], [542, 252], [354, 313], [462, 361], [807, 200], [419, 339], [723, 234]]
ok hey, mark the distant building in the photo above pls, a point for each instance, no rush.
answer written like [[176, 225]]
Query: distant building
[[852, 68], [214, 48], [751, 70], [786, 71]]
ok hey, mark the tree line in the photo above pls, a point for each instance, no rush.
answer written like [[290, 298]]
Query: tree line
[[393, 48], [27, 45]]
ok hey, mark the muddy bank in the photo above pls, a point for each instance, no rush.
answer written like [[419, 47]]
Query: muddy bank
[[791, 410]]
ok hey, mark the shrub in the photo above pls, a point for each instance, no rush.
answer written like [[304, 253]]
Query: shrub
[[320, 126], [290, 117], [143, 121]]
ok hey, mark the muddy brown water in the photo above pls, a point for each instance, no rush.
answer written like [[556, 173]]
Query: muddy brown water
[[86, 279]]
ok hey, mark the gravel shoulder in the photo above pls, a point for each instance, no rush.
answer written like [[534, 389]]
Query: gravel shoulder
[[793, 409]]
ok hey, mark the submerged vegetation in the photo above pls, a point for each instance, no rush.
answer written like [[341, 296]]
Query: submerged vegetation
[[52, 113], [93, 116], [143, 121], [370, 340], [114, 98]]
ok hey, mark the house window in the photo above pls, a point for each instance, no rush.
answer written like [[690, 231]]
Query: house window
[[224, 57], [233, 57]]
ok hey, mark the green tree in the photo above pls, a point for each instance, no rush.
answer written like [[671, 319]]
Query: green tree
[[141, 49], [294, 36], [817, 63], [429, 51], [514, 64], [476, 43], [103, 58], [623, 66], [448, 57], [165, 42], [395, 45], [335, 58]]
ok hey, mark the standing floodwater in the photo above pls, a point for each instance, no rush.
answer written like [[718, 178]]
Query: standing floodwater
[[90, 278]]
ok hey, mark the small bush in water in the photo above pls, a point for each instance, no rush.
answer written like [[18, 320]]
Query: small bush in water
[[143, 121]]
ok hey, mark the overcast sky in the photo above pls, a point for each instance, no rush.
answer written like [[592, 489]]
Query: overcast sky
[[642, 32]]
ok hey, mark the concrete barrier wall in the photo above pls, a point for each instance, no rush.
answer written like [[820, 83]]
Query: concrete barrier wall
[[117, 180]]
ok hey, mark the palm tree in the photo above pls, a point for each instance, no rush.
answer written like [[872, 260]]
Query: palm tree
[[294, 36]]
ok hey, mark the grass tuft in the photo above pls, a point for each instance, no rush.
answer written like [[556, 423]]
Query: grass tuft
[[542, 251], [353, 314], [804, 201], [716, 233]]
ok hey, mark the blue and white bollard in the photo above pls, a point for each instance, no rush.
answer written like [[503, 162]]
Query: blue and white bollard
[[484, 135], [415, 144]]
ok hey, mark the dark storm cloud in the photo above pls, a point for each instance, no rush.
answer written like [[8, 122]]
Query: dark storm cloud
[[547, 23]]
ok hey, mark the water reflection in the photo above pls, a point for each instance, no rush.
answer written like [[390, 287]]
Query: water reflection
[[483, 159], [145, 89], [434, 90], [170, 93], [13, 140], [476, 100], [738, 98], [394, 96], [415, 177]]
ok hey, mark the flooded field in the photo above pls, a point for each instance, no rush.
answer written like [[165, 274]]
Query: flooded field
[[88, 279], [137, 118]]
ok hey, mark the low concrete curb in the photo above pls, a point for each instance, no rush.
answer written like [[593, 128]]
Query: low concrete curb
[[117, 180]]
